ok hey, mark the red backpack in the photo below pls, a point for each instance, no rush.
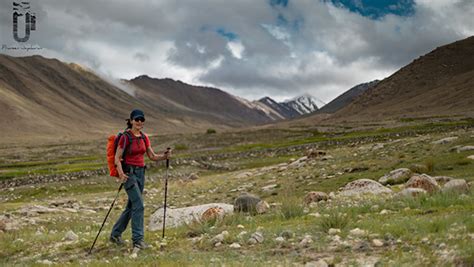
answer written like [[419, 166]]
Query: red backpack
[[112, 144]]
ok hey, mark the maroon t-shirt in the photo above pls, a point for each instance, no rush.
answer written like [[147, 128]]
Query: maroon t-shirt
[[134, 154]]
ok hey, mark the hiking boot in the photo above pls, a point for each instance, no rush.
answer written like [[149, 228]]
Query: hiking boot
[[117, 240], [140, 244]]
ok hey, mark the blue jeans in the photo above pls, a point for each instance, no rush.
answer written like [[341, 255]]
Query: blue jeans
[[135, 209]]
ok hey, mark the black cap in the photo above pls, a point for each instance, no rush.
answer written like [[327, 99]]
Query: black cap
[[136, 113]]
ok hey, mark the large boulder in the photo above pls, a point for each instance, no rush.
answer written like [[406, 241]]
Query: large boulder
[[363, 186], [397, 176], [314, 196], [456, 185], [180, 216], [250, 203], [423, 181]]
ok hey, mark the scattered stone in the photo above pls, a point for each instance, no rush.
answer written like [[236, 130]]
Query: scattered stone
[[423, 181], [134, 254], [445, 140], [255, 238], [269, 187], [397, 176], [220, 237], [307, 239], [465, 148], [377, 243], [356, 232], [71, 236], [411, 192], [471, 157], [316, 214], [234, 245], [242, 234], [384, 212], [193, 176], [280, 239], [314, 196], [240, 226], [45, 262], [315, 153], [180, 216], [334, 231], [363, 186], [456, 185], [319, 263]]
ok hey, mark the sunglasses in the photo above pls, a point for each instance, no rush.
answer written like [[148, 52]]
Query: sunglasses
[[139, 119]]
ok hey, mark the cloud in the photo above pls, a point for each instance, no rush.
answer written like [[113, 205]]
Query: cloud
[[279, 48]]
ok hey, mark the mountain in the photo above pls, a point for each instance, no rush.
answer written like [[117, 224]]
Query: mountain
[[347, 97], [302, 104], [440, 83], [176, 98], [289, 109], [46, 99]]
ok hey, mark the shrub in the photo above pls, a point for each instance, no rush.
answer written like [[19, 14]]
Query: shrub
[[291, 208], [334, 220], [210, 131]]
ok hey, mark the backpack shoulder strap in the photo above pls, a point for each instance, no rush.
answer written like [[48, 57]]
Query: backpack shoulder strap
[[127, 145]]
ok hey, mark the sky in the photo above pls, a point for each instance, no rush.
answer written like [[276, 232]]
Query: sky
[[249, 48]]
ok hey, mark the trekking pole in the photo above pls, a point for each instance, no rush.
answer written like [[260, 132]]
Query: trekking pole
[[120, 188], [166, 192]]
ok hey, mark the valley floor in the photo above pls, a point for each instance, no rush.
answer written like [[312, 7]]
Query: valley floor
[[53, 200]]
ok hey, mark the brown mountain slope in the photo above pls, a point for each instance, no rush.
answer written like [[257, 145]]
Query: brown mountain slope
[[439, 83], [210, 104], [48, 100]]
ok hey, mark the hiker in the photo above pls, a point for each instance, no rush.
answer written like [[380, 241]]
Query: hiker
[[131, 171]]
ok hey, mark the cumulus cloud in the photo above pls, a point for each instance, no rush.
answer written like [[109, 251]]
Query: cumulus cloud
[[276, 48]]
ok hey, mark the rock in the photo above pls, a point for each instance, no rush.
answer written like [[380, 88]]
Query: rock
[[212, 214], [465, 148], [180, 216], [71, 236], [193, 176], [314, 196], [377, 243], [356, 232], [250, 203], [134, 254], [242, 234], [411, 192], [220, 237], [269, 187], [315, 153], [240, 226], [397, 176], [307, 239], [255, 238], [234, 245], [456, 185], [445, 140], [45, 262], [279, 239], [334, 231], [319, 263], [471, 157], [442, 179], [423, 181], [384, 212], [363, 186]]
